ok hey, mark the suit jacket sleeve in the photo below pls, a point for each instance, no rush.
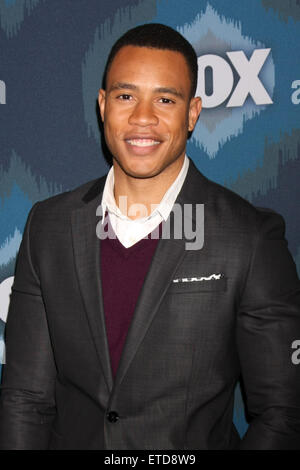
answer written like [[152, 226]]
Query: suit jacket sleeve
[[267, 324], [27, 405]]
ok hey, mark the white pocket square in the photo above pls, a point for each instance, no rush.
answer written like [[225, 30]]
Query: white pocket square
[[211, 277]]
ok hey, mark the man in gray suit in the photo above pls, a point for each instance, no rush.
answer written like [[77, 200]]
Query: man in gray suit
[[122, 333]]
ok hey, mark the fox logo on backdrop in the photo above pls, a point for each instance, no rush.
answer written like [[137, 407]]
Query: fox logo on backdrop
[[236, 78], [221, 74]]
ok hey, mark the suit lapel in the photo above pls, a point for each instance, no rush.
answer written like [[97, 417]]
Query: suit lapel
[[86, 247], [168, 256]]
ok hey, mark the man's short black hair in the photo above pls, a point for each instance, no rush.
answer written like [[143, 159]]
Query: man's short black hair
[[157, 36]]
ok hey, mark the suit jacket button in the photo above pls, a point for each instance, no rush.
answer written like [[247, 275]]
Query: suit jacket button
[[112, 416]]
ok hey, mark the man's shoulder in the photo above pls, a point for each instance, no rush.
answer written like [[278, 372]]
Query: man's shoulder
[[229, 207], [55, 211], [76, 197]]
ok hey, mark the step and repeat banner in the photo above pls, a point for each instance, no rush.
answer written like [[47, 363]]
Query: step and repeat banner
[[52, 57]]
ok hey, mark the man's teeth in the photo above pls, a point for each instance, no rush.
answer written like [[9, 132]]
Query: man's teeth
[[142, 142]]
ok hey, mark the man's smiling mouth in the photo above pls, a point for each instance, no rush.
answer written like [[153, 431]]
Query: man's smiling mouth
[[142, 142]]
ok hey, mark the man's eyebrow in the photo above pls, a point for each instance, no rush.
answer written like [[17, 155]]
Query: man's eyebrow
[[130, 86], [170, 91], [123, 86]]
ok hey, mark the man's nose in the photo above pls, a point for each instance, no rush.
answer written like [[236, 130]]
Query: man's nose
[[143, 114]]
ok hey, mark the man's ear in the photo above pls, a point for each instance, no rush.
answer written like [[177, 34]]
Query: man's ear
[[194, 111], [101, 102]]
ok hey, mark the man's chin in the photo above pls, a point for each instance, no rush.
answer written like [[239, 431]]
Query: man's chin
[[139, 170], [141, 174]]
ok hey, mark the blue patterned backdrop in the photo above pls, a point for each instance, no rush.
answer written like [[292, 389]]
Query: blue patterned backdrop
[[52, 57]]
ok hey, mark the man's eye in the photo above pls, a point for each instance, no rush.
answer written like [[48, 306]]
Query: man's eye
[[124, 97], [166, 101]]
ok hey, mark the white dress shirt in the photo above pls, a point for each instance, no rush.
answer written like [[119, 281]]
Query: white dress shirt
[[130, 231]]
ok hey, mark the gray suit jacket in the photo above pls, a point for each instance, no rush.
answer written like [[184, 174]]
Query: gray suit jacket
[[187, 345]]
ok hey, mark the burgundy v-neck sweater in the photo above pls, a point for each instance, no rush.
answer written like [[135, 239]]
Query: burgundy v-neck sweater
[[123, 271]]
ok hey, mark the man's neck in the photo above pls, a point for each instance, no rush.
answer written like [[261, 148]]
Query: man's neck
[[146, 192]]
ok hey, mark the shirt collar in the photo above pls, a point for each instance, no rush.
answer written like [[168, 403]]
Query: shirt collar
[[164, 207]]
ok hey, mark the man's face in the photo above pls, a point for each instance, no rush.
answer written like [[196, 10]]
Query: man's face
[[147, 111]]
